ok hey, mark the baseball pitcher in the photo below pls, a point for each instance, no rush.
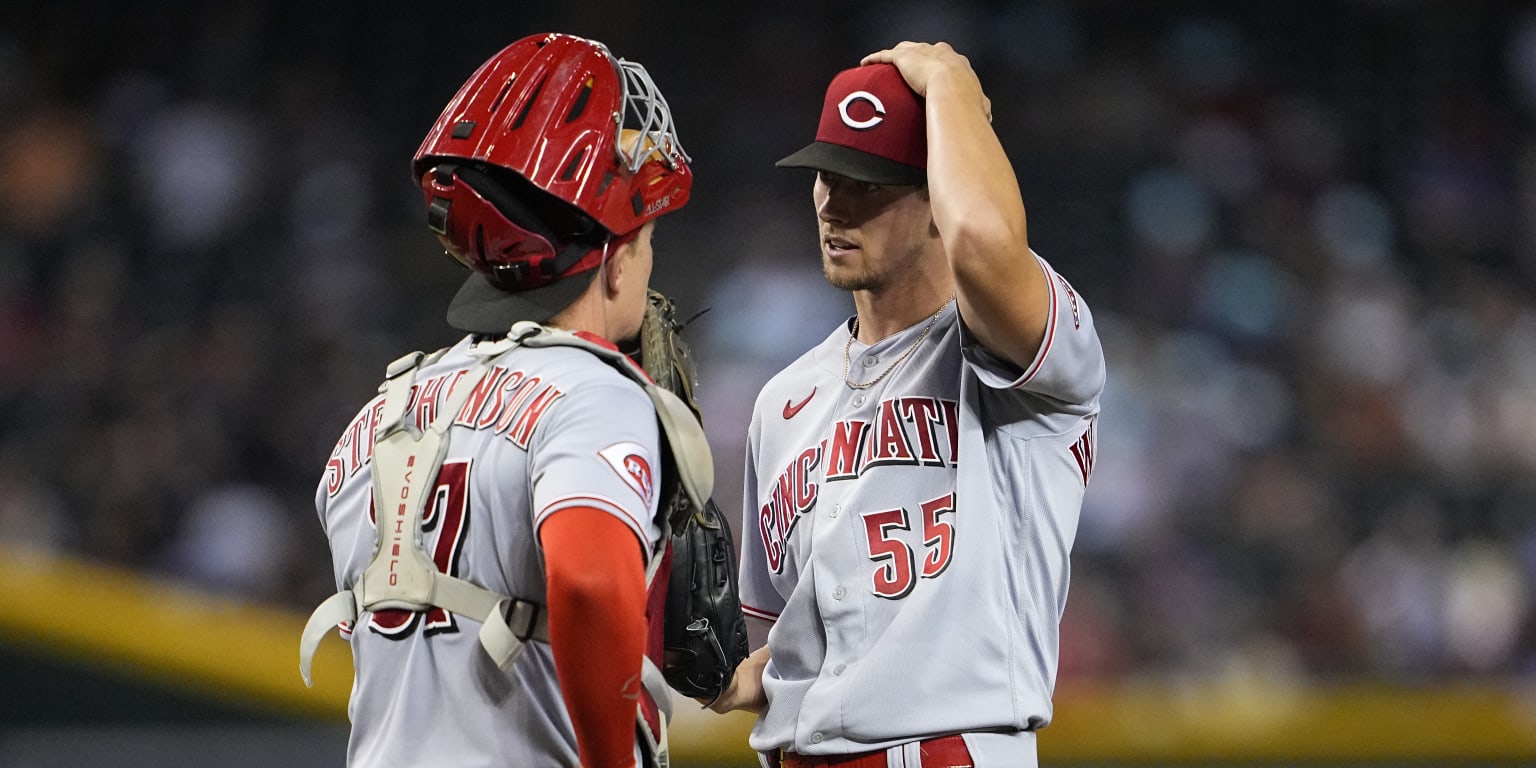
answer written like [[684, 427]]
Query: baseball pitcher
[[913, 482]]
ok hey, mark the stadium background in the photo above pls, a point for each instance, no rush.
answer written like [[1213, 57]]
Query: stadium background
[[1306, 229]]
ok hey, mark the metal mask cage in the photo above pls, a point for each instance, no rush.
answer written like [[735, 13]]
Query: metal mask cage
[[647, 112]]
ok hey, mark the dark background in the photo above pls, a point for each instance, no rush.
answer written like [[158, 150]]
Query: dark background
[[1304, 228]]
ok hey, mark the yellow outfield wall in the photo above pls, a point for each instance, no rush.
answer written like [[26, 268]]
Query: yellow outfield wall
[[230, 651]]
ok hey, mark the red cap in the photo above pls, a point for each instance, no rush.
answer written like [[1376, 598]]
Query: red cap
[[873, 128]]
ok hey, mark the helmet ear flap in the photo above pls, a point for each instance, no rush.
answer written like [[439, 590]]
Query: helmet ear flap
[[438, 207], [503, 231], [505, 241]]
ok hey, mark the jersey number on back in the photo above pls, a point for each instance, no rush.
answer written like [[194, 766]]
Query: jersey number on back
[[898, 567], [447, 515]]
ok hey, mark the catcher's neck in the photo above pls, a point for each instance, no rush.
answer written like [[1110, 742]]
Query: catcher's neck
[[583, 316], [613, 304]]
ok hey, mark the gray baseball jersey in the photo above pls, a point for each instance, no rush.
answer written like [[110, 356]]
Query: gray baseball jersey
[[910, 540], [546, 429]]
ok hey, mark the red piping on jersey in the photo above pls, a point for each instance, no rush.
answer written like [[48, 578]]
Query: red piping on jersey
[[567, 502], [759, 613]]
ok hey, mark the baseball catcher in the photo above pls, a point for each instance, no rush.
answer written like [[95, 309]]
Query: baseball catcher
[[484, 511]]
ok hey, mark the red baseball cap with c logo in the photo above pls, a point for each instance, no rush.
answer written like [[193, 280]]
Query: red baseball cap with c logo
[[873, 128]]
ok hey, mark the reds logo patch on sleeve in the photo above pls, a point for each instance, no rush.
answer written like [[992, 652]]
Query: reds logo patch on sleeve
[[633, 466]]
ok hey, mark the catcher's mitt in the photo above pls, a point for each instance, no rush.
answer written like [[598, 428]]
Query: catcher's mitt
[[663, 353], [705, 635]]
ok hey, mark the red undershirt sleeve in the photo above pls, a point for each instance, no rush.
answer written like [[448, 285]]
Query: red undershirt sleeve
[[597, 629]]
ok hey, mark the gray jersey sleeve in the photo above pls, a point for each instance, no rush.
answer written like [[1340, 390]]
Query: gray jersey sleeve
[[598, 447], [1069, 366], [759, 598]]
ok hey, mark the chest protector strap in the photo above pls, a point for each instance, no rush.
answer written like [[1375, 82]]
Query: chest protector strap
[[401, 576]]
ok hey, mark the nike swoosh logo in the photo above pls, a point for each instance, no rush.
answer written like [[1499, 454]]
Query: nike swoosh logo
[[790, 409]]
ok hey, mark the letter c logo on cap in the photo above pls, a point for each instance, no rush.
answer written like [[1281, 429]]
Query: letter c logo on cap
[[861, 125]]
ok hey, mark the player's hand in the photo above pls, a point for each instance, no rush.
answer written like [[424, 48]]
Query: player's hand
[[745, 690], [921, 64]]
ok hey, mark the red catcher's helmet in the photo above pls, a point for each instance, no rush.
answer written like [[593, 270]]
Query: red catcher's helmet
[[556, 114]]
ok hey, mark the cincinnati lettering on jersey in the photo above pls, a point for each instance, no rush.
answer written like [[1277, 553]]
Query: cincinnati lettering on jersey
[[907, 431], [1083, 449], [506, 402]]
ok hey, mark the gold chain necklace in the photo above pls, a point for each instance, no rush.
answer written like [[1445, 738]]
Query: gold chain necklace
[[848, 345]]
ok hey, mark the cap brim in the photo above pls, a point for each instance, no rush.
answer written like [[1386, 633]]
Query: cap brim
[[480, 307], [854, 164]]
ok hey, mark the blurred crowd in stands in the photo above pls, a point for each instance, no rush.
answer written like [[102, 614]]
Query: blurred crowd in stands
[[1307, 231]]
